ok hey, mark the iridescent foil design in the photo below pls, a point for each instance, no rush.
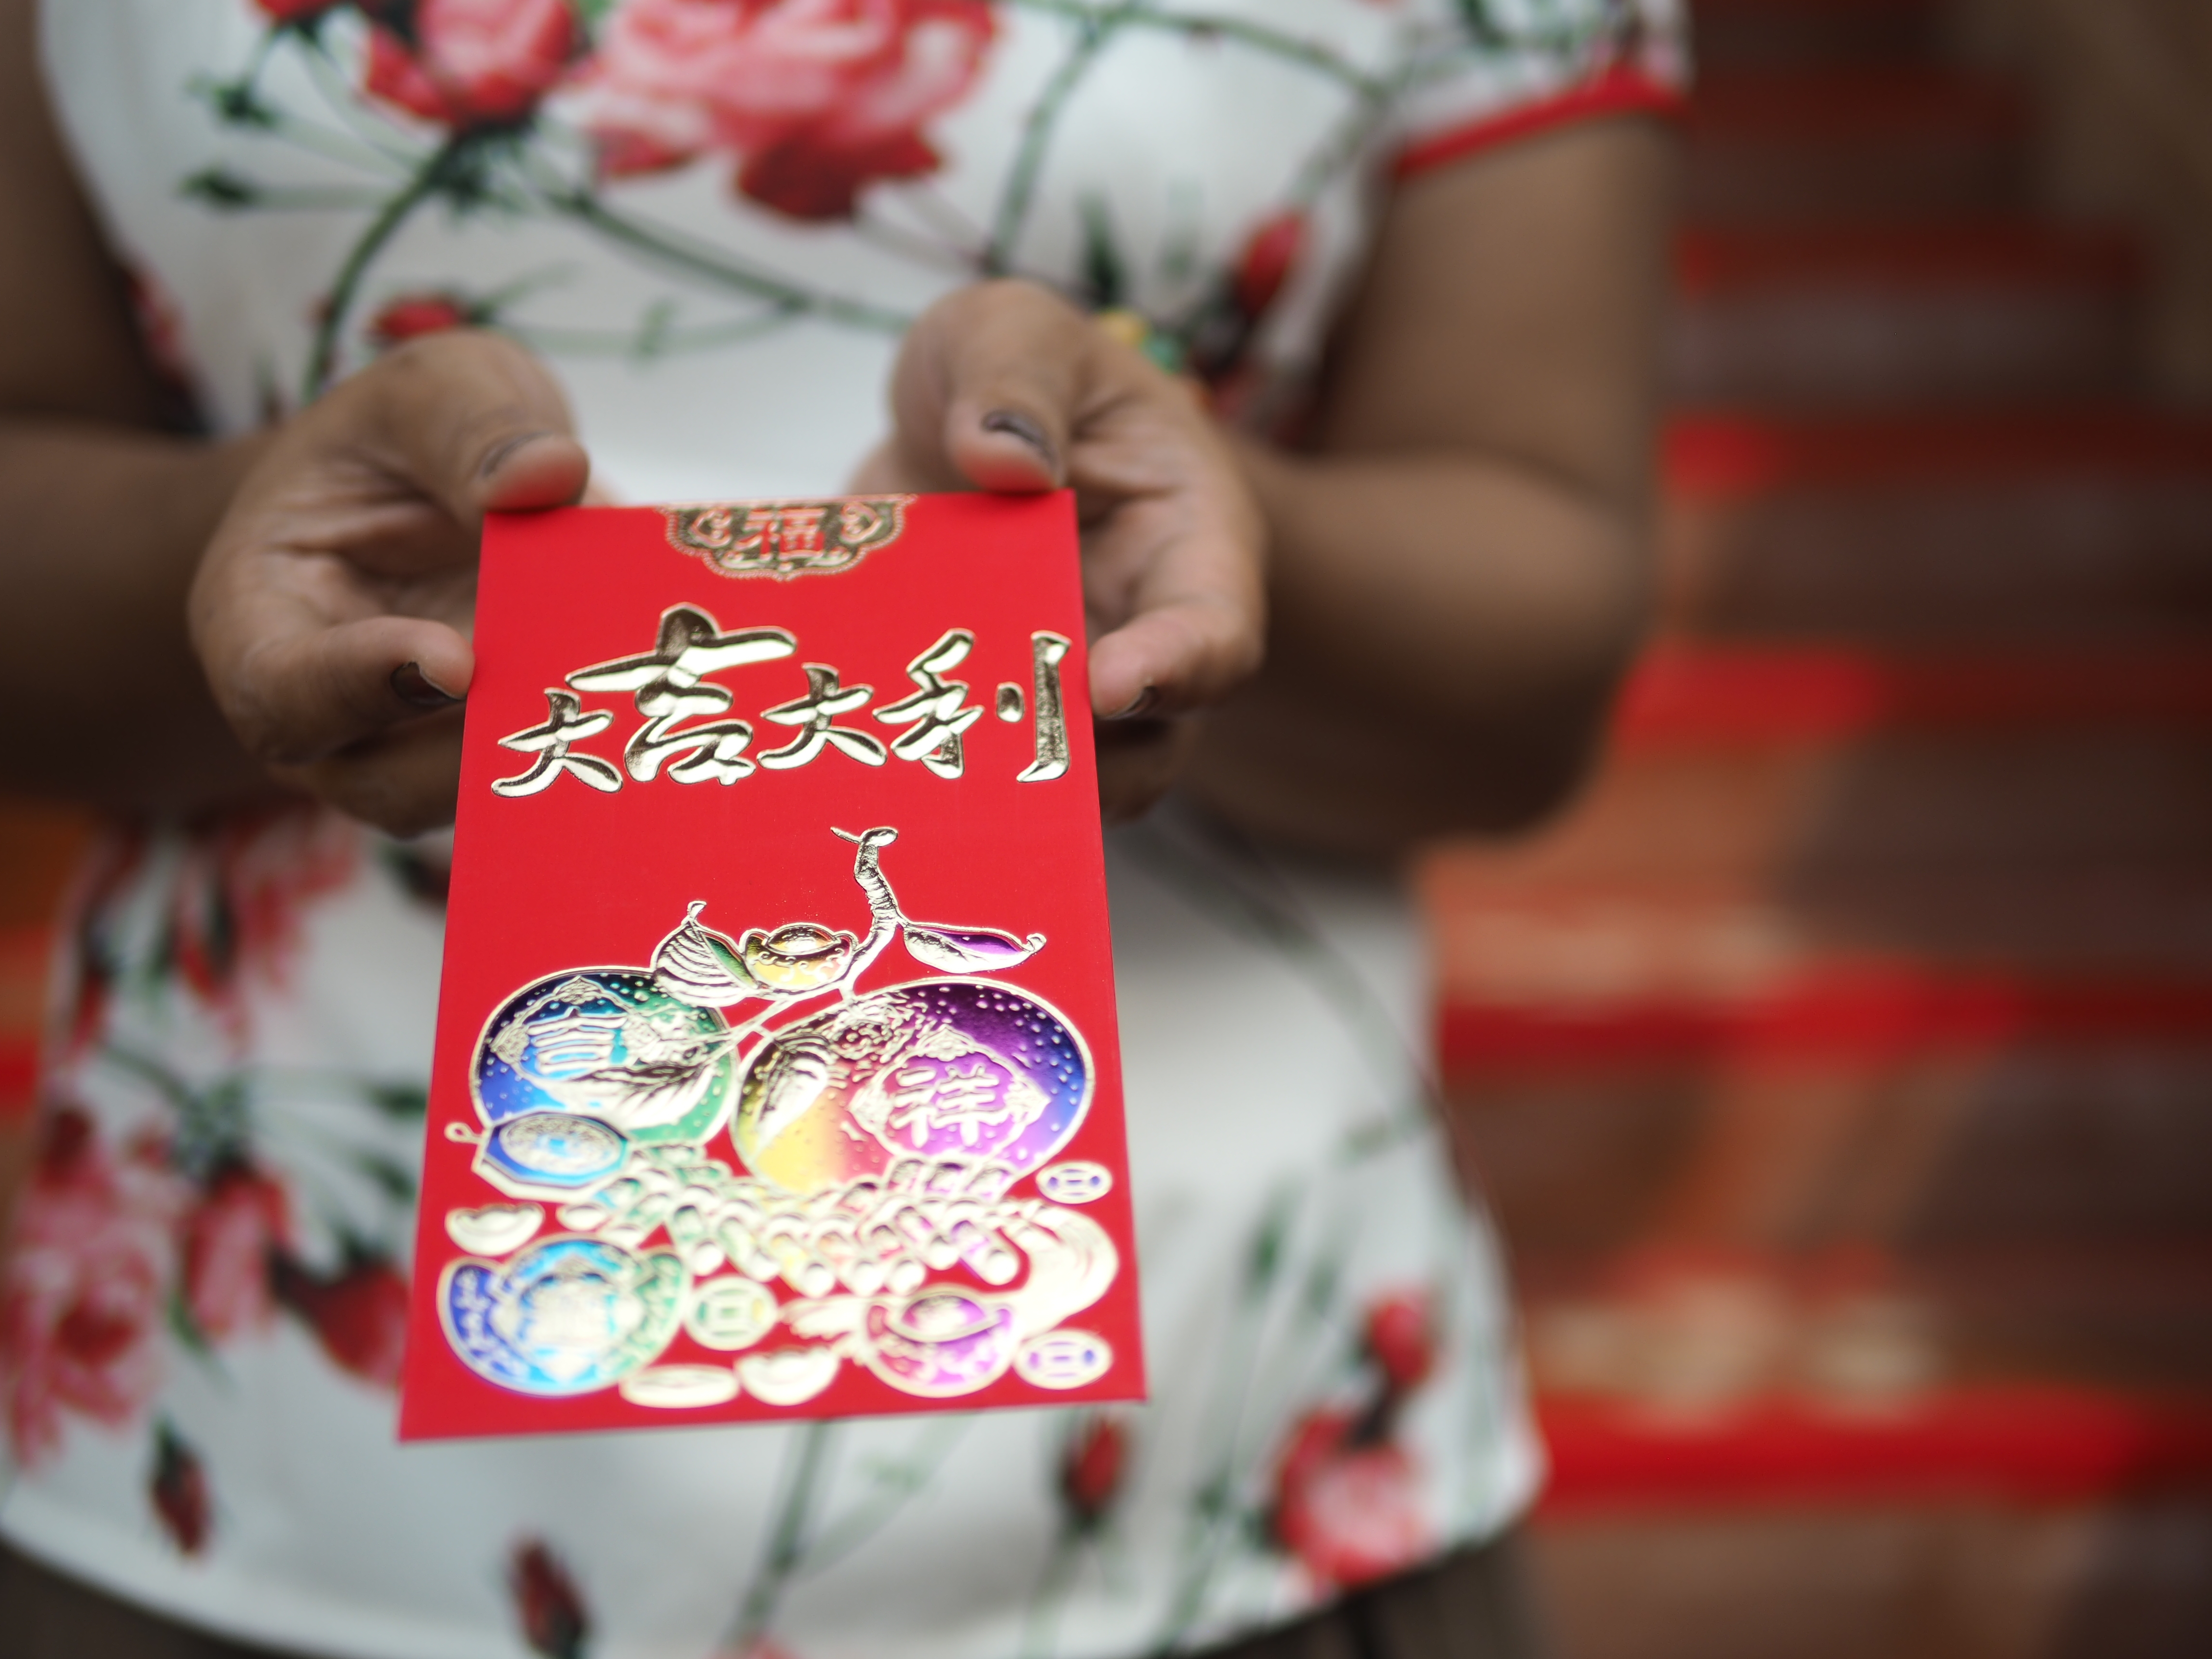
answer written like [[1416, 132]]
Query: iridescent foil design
[[942, 1068], [882, 1138], [567, 1315], [611, 1044]]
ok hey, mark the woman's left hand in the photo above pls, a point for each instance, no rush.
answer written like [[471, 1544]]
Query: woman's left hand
[[1003, 386]]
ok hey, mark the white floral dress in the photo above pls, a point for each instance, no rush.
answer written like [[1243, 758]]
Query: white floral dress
[[714, 217]]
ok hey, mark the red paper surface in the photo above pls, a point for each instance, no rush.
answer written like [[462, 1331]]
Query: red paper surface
[[904, 1186]]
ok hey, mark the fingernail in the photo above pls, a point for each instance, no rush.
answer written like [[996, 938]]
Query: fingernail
[[413, 687], [1140, 704], [1015, 424], [496, 456]]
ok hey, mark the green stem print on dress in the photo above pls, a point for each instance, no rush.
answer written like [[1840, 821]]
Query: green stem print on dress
[[1090, 1454], [688, 257], [516, 157], [785, 1549], [1096, 30], [442, 173], [798, 1547]]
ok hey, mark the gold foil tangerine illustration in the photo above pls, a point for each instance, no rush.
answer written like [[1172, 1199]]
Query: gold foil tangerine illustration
[[784, 539], [895, 1067], [882, 1138], [573, 1069]]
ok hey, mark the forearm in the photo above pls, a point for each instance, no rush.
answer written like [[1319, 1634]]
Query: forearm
[[1458, 564], [106, 524], [1446, 631]]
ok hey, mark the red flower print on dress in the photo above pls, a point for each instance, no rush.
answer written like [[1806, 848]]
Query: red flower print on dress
[[294, 11], [86, 1285], [85, 979], [180, 1492], [230, 1239], [359, 1316], [238, 900], [1090, 1472], [1402, 1341], [1348, 1501], [1349, 1510], [1270, 254], [160, 330], [816, 98], [413, 315], [547, 1603], [467, 63]]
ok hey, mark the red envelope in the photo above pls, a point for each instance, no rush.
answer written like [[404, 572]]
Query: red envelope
[[776, 1071]]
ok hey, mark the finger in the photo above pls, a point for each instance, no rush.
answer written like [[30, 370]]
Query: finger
[[1174, 552], [1180, 577], [1174, 657], [986, 389], [1138, 760], [475, 423], [879, 472], [413, 451], [303, 694], [403, 781]]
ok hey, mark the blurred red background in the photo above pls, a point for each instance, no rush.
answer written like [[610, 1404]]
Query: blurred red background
[[1840, 1066]]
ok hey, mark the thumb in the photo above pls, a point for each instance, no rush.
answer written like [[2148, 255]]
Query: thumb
[[304, 667], [477, 425], [986, 392]]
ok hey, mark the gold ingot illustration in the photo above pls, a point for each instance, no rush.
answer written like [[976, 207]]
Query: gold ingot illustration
[[799, 957]]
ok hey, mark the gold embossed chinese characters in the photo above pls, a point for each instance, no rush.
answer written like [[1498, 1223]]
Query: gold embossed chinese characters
[[669, 685]]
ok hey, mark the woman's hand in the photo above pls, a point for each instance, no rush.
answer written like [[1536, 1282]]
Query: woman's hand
[[331, 610], [1002, 387]]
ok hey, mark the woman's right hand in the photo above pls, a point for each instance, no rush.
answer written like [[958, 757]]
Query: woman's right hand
[[332, 610], [1003, 386]]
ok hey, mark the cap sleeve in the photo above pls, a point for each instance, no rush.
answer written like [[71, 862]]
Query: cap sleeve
[[1484, 72]]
